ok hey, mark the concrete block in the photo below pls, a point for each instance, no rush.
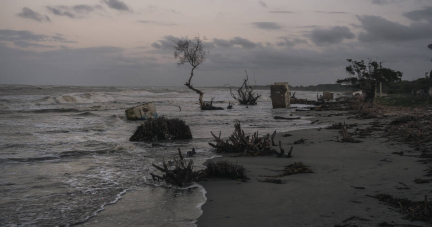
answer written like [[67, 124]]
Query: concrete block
[[327, 95], [280, 95], [142, 112]]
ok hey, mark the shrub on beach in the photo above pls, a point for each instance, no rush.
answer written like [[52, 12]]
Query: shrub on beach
[[162, 129]]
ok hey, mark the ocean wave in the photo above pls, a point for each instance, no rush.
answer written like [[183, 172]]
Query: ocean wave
[[94, 97]]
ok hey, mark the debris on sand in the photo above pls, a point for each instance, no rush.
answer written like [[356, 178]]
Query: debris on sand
[[413, 210], [225, 169], [300, 141], [340, 125], [270, 180], [297, 167], [410, 129]]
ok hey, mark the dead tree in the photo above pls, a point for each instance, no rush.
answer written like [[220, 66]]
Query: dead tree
[[192, 51], [182, 173], [246, 94]]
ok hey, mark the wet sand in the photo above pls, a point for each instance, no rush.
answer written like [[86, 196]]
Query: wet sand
[[344, 174]]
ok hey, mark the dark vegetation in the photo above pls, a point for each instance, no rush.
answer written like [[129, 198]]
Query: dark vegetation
[[367, 76], [404, 100], [248, 145], [162, 129], [181, 172]]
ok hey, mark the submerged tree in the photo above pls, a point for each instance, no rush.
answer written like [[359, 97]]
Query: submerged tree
[[246, 94], [368, 76], [192, 51]]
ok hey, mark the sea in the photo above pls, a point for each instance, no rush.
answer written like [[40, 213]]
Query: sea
[[65, 153]]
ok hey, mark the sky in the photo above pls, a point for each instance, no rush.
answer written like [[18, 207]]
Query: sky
[[129, 42]]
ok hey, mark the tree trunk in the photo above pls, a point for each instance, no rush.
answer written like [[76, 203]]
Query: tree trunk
[[370, 94], [189, 85]]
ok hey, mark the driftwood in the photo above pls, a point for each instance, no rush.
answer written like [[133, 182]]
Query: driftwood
[[300, 141], [246, 94], [162, 129], [183, 173], [297, 167], [282, 152], [249, 145], [346, 137], [270, 180]]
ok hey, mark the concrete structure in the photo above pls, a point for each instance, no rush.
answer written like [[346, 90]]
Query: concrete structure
[[280, 95], [142, 112], [327, 95]]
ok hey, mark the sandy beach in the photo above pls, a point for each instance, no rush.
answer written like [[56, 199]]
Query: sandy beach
[[335, 194]]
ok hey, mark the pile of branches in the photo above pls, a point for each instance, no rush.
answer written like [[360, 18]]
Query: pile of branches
[[225, 169], [181, 174], [248, 145], [411, 129], [162, 129], [181, 171], [414, 210], [297, 167], [246, 94]]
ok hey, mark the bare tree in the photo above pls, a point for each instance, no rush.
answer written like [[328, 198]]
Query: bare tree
[[192, 51]]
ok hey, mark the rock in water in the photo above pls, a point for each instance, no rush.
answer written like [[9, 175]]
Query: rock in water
[[162, 129]]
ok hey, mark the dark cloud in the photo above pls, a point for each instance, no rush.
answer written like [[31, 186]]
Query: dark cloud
[[85, 66], [269, 63], [24, 44], [76, 11], [287, 42], [281, 12], [379, 29], [267, 25], [25, 39], [117, 5], [236, 41], [166, 43], [263, 4], [419, 15], [244, 43], [222, 42], [334, 12], [332, 35], [30, 14]]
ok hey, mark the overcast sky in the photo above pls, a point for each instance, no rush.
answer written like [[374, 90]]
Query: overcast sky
[[129, 42]]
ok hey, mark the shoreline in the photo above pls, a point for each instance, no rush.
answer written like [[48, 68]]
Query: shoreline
[[336, 193]]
